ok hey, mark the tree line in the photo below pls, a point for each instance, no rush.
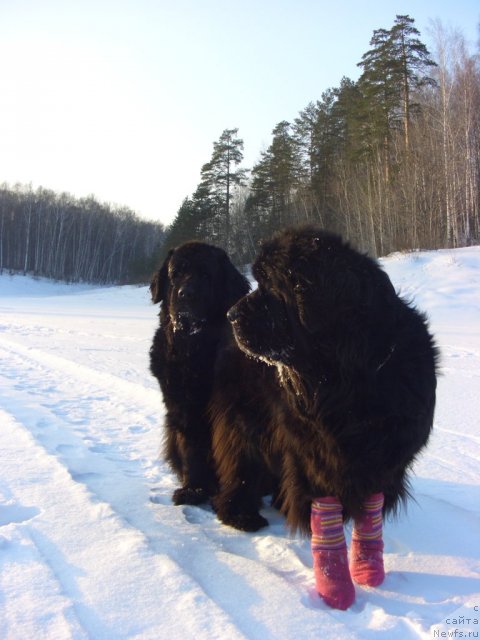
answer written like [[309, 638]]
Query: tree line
[[66, 238], [391, 161]]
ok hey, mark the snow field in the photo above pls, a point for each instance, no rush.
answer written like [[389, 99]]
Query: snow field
[[90, 544]]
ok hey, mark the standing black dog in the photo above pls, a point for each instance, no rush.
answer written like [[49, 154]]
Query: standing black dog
[[356, 369], [356, 365], [196, 284]]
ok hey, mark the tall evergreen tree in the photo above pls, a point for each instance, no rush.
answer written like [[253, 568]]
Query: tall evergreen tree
[[184, 226], [412, 62], [219, 177], [393, 69], [275, 180], [318, 132], [347, 113], [380, 91], [206, 214]]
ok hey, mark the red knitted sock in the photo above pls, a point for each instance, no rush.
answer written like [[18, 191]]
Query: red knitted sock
[[329, 549], [366, 564]]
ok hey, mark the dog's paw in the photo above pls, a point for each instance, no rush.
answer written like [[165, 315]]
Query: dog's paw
[[244, 521], [189, 495]]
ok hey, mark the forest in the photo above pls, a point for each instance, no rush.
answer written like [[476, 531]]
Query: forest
[[390, 161], [77, 240]]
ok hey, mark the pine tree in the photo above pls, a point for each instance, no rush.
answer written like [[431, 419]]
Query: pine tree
[[205, 215], [219, 177], [305, 131], [284, 166], [379, 86], [183, 228], [347, 115], [393, 69], [275, 180], [411, 63]]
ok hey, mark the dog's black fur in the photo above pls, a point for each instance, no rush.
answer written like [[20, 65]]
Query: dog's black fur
[[246, 442], [354, 398], [196, 284]]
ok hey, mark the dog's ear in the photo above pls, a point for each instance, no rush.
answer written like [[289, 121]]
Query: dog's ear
[[158, 285], [235, 285]]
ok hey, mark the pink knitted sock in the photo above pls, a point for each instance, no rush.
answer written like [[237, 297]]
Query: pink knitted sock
[[366, 564], [329, 549]]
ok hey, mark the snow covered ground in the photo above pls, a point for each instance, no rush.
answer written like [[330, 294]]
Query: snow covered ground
[[90, 544]]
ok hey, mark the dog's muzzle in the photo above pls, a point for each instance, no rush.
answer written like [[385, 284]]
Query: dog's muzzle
[[187, 323]]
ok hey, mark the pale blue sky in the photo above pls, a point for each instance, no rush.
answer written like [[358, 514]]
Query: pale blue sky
[[124, 98]]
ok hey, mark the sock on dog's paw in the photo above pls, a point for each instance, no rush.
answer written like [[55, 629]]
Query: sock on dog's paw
[[366, 564], [329, 550], [332, 578], [366, 555]]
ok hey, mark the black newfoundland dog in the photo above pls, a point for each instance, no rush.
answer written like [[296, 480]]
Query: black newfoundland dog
[[356, 368], [196, 284], [355, 395]]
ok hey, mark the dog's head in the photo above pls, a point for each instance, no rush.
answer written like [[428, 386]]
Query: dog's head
[[312, 287], [197, 284]]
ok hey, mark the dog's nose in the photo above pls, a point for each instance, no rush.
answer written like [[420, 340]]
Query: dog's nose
[[232, 314]]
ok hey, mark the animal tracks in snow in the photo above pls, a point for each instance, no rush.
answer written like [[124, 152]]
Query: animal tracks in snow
[[15, 513], [105, 455]]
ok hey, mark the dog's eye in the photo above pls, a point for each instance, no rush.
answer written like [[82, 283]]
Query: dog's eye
[[178, 269], [174, 274]]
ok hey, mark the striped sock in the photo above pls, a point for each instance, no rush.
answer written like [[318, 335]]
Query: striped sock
[[329, 549], [366, 566]]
